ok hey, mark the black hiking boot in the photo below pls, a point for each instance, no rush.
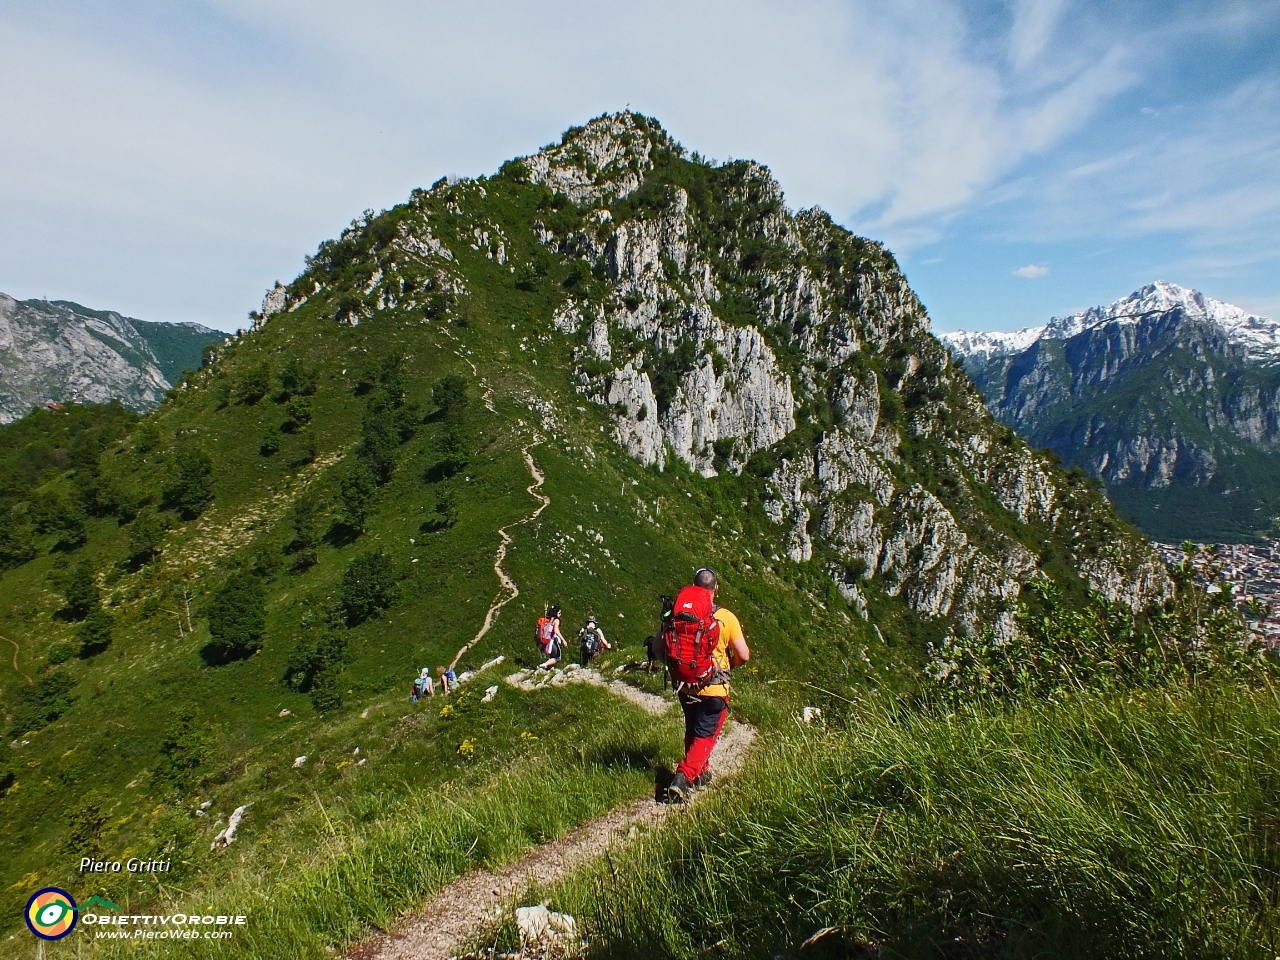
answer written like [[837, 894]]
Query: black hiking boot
[[703, 780], [680, 789]]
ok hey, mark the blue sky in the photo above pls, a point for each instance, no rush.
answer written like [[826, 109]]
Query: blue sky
[[1022, 159]]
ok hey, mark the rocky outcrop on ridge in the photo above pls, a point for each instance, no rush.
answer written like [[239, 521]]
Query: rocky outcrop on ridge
[[57, 351], [728, 333], [833, 327]]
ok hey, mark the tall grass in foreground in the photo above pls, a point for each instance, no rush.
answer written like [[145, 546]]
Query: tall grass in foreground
[[1106, 825], [346, 865]]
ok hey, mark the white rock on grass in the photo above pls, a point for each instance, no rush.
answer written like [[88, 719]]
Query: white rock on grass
[[228, 833], [540, 924]]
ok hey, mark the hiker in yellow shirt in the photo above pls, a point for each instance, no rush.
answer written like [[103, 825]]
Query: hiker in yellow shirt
[[706, 707]]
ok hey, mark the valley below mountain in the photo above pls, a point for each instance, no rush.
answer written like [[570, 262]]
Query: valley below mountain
[[1171, 398]]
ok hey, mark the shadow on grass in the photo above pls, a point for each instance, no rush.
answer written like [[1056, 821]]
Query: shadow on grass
[[215, 654], [341, 535]]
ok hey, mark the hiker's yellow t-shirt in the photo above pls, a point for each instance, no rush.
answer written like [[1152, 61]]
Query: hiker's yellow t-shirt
[[730, 630]]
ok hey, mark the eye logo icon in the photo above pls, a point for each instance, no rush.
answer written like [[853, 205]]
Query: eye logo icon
[[51, 913]]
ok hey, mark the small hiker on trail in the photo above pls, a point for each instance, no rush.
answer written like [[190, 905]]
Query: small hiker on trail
[[448, 680], [550, 640], [423, 686], [702, 643], [654, 653], [591, 641]]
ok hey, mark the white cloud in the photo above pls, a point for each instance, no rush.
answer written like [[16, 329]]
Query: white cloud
[[1033, 25], [1031, 271], [176, 167], [1210, 178]]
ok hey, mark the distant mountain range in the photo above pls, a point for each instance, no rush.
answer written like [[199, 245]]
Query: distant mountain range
[[1172, 398], [59, 351]]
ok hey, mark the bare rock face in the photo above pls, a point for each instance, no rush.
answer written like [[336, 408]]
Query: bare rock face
[[61, 352], [713, 348], [604, 160], [1171, 398]]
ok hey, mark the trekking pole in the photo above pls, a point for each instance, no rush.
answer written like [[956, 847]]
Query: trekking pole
[[814, 686]]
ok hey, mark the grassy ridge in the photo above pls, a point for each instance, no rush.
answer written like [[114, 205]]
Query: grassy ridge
[[346, 847], [1134, 825]]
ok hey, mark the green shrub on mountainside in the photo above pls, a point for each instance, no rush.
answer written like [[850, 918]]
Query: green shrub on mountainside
[[317, 659], [95, 633], [368, 586], [237, 619], [254, 383], [190, 486], [186, 746], [1103, 645], [308, 528], [41, 702], [146, 533], [82, 594]]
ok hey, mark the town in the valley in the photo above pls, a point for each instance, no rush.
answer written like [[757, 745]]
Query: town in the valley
[[1252, 573]]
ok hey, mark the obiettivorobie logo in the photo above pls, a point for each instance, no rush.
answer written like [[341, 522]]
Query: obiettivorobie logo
[[51, 913]]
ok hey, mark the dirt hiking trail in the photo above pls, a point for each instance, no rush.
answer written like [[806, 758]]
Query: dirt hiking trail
[[465, 907], [509, 591]]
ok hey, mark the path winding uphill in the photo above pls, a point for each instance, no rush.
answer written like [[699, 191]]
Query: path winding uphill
[[471, 903], [509, 590]]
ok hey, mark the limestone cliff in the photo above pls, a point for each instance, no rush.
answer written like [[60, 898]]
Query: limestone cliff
[[59, 351], [732, 329], [728, 333]]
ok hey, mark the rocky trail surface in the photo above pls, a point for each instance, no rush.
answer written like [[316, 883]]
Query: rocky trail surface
[[465, 907]]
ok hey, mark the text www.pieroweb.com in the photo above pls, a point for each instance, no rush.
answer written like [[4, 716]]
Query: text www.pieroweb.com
[[172, 927]]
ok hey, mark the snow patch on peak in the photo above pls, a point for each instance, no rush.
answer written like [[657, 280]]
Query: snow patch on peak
[[996, 343], [1259, 336]]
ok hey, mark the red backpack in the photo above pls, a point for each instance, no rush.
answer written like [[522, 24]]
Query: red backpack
[[689, 635], [545, 633]]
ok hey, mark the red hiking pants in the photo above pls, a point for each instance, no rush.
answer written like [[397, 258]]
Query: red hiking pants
[[703, 719]]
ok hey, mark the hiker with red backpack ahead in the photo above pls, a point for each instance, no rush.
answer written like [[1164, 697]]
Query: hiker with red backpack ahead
[[702, 642], [550, 640]]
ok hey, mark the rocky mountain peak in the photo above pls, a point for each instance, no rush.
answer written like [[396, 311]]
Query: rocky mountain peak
[[59, 351], [725, 333], [1168, 395], [1258, 336], [606, 159]]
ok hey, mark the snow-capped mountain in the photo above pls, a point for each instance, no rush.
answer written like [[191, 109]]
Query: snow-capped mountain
[[1259, 336], [1170, 397]]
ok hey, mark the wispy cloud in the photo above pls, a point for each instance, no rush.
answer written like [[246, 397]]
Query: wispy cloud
[[1031, 271], [1212, 179], [175, 164]]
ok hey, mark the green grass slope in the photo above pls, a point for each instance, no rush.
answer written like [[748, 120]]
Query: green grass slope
[[255, 571], [1104, 826]]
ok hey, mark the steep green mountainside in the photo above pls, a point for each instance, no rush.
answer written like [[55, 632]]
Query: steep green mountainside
[[1172, 409], [253, 572], [178, 347], [57, 350]]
